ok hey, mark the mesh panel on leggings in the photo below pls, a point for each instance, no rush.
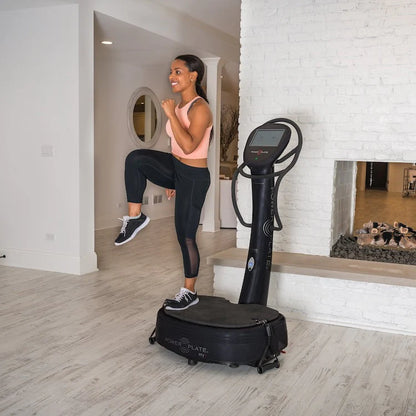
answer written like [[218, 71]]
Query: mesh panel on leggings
[[193, 257]]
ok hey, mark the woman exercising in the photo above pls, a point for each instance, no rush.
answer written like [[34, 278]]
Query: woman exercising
[[184, 172]]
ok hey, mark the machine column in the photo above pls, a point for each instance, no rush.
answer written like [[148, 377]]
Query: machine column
[[257, 273]]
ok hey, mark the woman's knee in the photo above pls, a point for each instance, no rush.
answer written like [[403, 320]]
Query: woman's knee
[[134, 157]]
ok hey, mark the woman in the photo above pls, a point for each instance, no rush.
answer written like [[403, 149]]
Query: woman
[[184, 172]]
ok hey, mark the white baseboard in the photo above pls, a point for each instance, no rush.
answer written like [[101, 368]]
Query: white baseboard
[[50, 261]]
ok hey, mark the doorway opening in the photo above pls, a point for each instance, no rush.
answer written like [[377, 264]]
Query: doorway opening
[[376, 175]]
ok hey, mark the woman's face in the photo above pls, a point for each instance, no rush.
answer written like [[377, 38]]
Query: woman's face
[[180, 77]]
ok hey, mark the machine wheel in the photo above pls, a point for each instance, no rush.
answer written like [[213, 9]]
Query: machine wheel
[[263, 368], [192, 362]]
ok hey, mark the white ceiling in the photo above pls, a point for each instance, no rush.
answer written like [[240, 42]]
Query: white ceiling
[[224, 15], [133, 45]]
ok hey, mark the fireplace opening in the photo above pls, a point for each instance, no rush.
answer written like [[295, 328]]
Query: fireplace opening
[[374, 211]]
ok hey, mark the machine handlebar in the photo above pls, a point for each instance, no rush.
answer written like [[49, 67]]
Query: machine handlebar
[[279, 174]]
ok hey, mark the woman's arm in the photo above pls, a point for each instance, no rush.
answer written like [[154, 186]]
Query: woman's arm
[[200, 119]]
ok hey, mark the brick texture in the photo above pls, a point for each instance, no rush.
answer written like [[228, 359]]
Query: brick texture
[[345, 71]]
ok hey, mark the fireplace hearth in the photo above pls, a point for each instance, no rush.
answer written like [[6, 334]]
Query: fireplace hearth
[[379, 241], [347, 247]]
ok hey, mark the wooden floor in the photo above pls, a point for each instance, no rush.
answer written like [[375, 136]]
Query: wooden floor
[[79, 346], [383, 206]]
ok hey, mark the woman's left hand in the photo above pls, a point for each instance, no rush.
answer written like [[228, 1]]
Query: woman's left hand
[[170, 193], [168, 106]]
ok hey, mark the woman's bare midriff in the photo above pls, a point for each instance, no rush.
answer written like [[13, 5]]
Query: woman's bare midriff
[[196, 163]]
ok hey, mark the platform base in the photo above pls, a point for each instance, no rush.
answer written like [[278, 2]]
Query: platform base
[[218, 331]]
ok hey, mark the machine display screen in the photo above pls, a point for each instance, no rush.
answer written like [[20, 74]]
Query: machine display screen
[[265, 137]]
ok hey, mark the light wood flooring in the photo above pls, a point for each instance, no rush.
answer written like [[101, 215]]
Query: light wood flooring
[[78, 346], [383, 206]]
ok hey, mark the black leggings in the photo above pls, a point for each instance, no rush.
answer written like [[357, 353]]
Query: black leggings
[[191, 185]]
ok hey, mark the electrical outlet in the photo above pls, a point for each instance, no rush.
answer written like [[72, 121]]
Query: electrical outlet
[[145, 200], [47, 150], [50, 237]]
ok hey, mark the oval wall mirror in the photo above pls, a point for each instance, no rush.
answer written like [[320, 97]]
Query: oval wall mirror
[[144, 117]]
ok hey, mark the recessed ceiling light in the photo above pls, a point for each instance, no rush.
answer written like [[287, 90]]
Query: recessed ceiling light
[[106, 42]]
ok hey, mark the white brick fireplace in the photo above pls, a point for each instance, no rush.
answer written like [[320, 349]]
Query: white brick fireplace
[[345, 71]]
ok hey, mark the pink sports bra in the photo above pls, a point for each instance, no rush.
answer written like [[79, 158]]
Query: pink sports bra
[[201, 152]]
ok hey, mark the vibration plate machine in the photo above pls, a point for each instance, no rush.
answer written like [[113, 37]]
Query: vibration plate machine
[[250, 333]]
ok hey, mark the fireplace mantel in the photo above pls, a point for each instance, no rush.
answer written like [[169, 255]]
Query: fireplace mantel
[[330, 267]]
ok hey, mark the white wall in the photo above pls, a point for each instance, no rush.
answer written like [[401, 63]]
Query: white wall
[[40, 218], [115, 82], [346, 72]]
